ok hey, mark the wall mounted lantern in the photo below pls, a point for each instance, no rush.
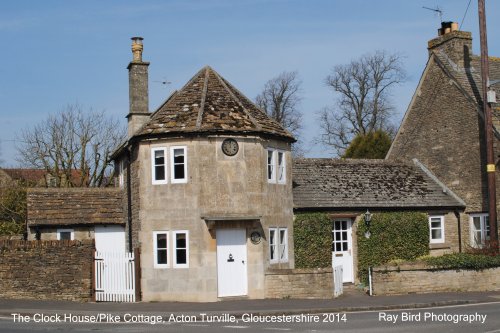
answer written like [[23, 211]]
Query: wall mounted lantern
[[368, 219]]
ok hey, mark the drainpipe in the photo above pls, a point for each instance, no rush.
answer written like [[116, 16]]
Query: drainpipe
[[129, 201], [457, 215]]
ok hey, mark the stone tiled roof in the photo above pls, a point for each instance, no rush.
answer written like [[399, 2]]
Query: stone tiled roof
[[360, 184], [70, 206], [210, 104], [468, 77]]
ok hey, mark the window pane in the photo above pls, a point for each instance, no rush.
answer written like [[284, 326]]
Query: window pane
[[65, 235], [181, 256], [477, 222], [159, 157], [337, 225], [161, 241], [272, 236], [270, 164], [180, 240], [179, 171], [281, 166], [159, 172], [435, 224], [282, 252], [338, 246], [272, 249], [344, 246], [282, 237], [161, 256], [337, 236], [344, 235], [178, 155], [344, 225], [436, 233]]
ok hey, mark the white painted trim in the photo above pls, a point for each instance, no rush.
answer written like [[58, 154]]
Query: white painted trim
[[72, 231], [174, 246], [155, 249], [172, 169], [437, 240], [153, 171]]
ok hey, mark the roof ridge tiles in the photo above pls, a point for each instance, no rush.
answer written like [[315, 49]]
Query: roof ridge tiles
[[203, 98]]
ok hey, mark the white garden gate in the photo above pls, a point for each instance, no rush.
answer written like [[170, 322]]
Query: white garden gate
[[338, 280], [114, 277]]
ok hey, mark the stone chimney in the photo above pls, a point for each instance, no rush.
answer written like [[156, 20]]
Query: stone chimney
[[138, 89], [456, 44]]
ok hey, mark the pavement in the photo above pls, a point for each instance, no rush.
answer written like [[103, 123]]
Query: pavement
[[351, 301]]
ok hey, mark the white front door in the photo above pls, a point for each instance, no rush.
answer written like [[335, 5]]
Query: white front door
[[109, 238], [342, 247], [231, 262]]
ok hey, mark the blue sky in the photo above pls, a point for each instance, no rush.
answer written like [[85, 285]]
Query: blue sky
[[59, 52]]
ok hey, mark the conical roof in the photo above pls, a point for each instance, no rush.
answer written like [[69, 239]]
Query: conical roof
[[210, 104]]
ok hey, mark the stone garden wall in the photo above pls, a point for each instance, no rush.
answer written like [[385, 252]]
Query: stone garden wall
[[57, 270]]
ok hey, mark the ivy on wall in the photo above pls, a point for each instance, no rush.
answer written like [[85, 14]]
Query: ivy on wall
[[312, 236], [394, 235]]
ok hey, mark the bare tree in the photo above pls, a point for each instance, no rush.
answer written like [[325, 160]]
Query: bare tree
[[73, 146], [363, 104], [280, 99]]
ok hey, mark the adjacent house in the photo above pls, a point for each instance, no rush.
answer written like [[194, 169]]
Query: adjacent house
[[444, 126], [347, 188]]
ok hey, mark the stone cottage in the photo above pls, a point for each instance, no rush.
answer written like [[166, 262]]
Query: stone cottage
[[444, 126], [207, 178], [347, 188]]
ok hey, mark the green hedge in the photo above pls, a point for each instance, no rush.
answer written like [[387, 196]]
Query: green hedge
[[312, 236], [464, 261], [395, 235]]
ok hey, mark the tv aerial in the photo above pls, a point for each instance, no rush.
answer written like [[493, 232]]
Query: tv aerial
[[437, 10], [164, 82]]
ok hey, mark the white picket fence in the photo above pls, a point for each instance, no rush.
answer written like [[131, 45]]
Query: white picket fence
[[114, 277], [338, 282]]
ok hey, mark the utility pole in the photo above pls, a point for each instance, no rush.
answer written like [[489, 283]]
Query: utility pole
[[488, 126]]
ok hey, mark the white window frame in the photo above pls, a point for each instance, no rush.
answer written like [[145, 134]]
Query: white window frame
[[172, 169], [121, 175], [174, 239], [272, 165], [278, 246], [154, 181], [441, 227], [484, 226], [72, 231], [281, 168], [155, 249]]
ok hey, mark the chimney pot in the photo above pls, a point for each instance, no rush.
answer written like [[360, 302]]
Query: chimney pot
[[137, 48]]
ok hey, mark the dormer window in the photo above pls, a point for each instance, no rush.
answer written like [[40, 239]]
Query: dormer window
[[159, 165], [178, 164]]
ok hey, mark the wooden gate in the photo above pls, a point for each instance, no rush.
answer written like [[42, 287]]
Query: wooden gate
[[114, 277]]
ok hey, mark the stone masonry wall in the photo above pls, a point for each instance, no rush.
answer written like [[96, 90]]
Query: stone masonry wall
[[419, 278], [57, 270], [299, 283]]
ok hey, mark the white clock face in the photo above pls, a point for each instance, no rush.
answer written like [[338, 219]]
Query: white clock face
[[230, 147]]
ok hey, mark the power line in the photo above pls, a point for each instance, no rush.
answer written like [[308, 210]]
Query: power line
[[465, 14]]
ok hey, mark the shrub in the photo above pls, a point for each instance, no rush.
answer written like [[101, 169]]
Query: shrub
[[312, 236], [395, 235], [464, 261]]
